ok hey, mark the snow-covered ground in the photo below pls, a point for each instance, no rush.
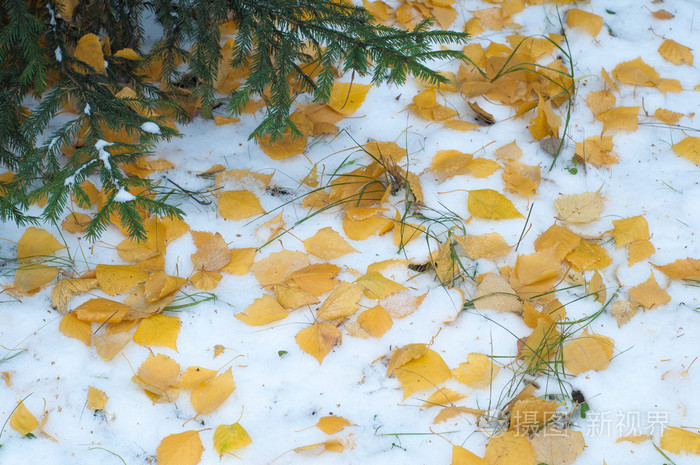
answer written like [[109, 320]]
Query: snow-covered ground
[[281, 391]]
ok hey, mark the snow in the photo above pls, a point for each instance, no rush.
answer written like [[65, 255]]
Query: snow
[[123, 196], [86, 110], [150, 127], [281, 392], [59, 55]]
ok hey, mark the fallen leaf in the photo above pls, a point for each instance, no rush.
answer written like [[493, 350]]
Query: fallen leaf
[[291, 143], [275, 268], [158, 375], [443, 397], [688, 148], [318, 339], [588, 352], [677, 440], [36, 244], [263, 311], [536, 273], [687, 268], [451, 411], [228, 438], [158, 330], [561, 239], [635, 72], [342, 302], [675, 52], [112, 337], [315, 449], [634, 438], [509, 448], [241, 261], [96, 399], [205, 280], [490, 245], [376, 286], [667, 116], [555, 446], [180, 449], [332, 424], [213, 255], [317, 278], [461, 456], [291, 296], [101, 310], [589, 22], [133, 250], [76, 222], [66, 287], [596, 287], [75, 328], [376, 321], [239, 205], [509, 151], [477, 372], [649, 294], [539, 347], [327, 244], [625, 118], [662, 14], [417, 373], [597, 150], [494, 293], [194, 376], [579, 208], [22, 420], [629, 230], [115, 279], [209, 395], [623, 311], [521, 179], [600, 101], [491, 205], [346, 97], [449, 163], [531, 414], [89, 51], [588, 256]]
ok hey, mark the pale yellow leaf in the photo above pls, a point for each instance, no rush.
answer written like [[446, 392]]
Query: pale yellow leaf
[[263, 311], [327, 244], [588, 352], [96, 399], [22, 420], [318, 339], [342, 302], [649, 294], [477, 372], [491, 205], [677, 440], [579, 208], [509, 448], [180, 449], [228, 438], [209, 395]]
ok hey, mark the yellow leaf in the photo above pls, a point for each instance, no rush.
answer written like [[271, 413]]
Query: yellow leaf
[[600, 101], [667, 116], [588, 256], [539, 347], [327, 244], [376, 321], [590, 22], [491, 205], [608, 80], [563, 240], [377, 286], [675, 52], [509, 152], [521, 179], [342, 302], [425, 104], [509, 448], [530, 414], [689, 148], [649, 294], [315, 449], [263, 311], [208, 396], [596, 287], [677, 440], [317, 278], [596, 150], [205, 280], [158, 330], [662, 14], [450, 412], [443, 397], [634, 438], [22, 420], [230, 437], [89, 51], [557, 446], [635, 72], [132, 250], [36, 243], [73, 327], [76, 222], [461, 456], [291, 296], [588, 352], [490, 245], [96, 399], [629, 230], [241, 178], [687, 268], [389, 150], [241, 261], [111, 338], [101, 310], [275, 268], [546, 123], [222, 120], [128, 54], [477, 372], [194, 376], [536, 273], [30, 277], [449, 163], [332, 424], [158, 375], [668, 85], [625, 118], [115, 279], [239, 205], [346, 97], [494, 293], [362, 229], [318, 339], [180, 449], [213, 255], [380, 10], [290, 144], [417, 367], [623, 311], [579, 208]]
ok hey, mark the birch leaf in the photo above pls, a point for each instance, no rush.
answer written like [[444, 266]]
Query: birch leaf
[[588, 352], [491, 205], [96, 399], [509, 448], [180, 449], [461, 456], [332, 424], [208, 396], [22, 420], [318, 340], [263, 311], [689, 148], [687, 268], [342, 302], [677, 440], [675, 52], [239, 205], [73, 327], [230, 437], [579, 208], [158, 330], [115, 279], [327, 244]]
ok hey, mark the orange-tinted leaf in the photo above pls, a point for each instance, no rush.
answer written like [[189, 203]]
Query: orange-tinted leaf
[[327, 244], [689, 148], [239, 205], [560, 446], [687, 268], [449, 163], [209, 395], [241, 261], [342, 302], [318, 339], [422, 369], [73, 327], [115, 279], [346, 98], [675, 52], [531, 414], [332, 424], [461, 456], [588, 352], [477, 372], [376, 321], [158, 375], [509, 448], [649, 294], [158, 330], [75, 222], [521, 179], [635, 72], [36, 243], [180, 449], [625, 118], [89, 51], [194, 376], [275, 268], [263, 311], [677, 440], [590, 22], [96, 399], [112, 337], [101, 310]]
